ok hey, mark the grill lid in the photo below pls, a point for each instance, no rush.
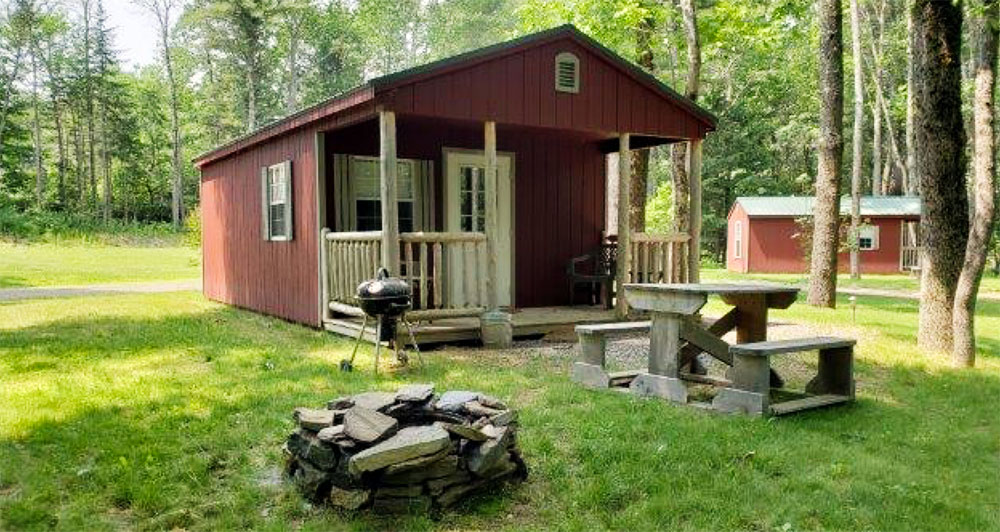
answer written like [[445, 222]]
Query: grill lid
[[384, 287]]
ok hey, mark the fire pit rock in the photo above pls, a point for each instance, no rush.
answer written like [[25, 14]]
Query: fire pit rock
[[409, 451]]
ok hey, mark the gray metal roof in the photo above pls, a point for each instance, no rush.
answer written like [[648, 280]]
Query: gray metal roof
[[803, 205]]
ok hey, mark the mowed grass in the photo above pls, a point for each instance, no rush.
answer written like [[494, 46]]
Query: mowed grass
[[165, 411], [900, 282], [68, 263]]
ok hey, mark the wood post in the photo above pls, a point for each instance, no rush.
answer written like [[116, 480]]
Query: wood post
[[624, 242], [324, 275], [387, 173], [492, 227], [694, 178]]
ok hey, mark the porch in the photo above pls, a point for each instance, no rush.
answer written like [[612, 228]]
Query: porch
[[483, 226]]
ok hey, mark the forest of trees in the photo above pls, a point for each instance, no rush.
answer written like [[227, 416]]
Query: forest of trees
[[81, 132]]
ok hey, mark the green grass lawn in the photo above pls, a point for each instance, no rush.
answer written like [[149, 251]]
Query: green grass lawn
[[165, 411], [905, 283], [50, 264]]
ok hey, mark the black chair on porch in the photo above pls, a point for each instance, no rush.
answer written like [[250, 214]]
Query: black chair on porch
[[596, 272]]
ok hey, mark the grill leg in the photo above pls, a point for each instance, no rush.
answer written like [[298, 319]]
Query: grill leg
[[413, 340], [357, 342], [378, 343]]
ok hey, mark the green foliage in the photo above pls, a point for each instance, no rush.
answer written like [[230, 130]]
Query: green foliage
[[192, 229], [46, 226], [659, 211]]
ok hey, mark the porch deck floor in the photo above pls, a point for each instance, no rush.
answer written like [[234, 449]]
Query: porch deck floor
[[526, 322]]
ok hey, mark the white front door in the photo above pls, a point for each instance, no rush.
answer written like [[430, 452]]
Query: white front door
[[465, 210]]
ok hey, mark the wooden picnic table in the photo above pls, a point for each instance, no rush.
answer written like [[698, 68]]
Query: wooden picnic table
[[677, 336]]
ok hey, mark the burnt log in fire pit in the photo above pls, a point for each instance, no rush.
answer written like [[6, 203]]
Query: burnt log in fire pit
[[410, 450]]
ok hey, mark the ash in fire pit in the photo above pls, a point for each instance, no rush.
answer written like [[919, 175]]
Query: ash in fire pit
[[409, 450]]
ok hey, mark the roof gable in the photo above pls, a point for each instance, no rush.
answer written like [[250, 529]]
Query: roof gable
[[788, 206], [509, 82], [517, 60]]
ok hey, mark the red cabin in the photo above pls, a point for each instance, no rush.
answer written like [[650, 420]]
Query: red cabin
[[497, 158], [765, 234]]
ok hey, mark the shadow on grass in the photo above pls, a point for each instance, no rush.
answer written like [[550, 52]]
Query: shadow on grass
[[170, 422], [11, 281], [177, 422]]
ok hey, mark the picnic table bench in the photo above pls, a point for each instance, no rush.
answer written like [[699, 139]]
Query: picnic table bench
[[678, 335]]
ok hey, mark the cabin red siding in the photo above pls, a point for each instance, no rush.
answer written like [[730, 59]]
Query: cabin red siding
[[519, 88], [736, 263], [773, 248], [239, 267]]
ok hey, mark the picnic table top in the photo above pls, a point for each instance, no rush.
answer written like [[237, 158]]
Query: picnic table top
[[715, 288]]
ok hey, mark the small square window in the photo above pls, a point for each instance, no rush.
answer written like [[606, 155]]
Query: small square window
[[868, 238]]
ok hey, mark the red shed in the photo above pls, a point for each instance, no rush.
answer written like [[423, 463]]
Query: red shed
[[497, 159], [764, 234]]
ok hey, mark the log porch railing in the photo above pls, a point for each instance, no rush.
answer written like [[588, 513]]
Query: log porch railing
[[428, 261], [659, 258]]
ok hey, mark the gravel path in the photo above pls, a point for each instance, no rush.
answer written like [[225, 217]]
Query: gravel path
[[40, 292]]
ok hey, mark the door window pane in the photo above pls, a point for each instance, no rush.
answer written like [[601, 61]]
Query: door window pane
[[472, 196]]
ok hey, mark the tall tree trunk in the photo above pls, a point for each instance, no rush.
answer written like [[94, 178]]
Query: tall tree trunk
[[679, 152], [640, 158], [876, 149], [984, 186], [292, 93], [251, 98], [940, 140], [857, 141], [883, 107], [60, 152], [912, 184], [162, 11], [826, 211], [36, 127]]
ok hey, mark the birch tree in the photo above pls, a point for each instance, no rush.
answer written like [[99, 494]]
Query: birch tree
[[857, 141], [162, 11]]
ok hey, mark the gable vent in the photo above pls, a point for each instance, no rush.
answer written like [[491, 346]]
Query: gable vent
[[567, 73]]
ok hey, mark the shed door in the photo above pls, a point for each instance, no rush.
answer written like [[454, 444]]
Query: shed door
[[465, 199]]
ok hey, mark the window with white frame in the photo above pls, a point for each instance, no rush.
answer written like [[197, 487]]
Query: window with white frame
[[368, 197], [276, 199], [738, 240], [868, 237]]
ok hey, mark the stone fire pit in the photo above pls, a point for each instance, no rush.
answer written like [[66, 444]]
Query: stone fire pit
[[406, 451]]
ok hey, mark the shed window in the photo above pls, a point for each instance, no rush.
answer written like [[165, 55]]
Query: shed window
[[276, 200], [738, 240], [567, 73], [368, 197], [868, 238]]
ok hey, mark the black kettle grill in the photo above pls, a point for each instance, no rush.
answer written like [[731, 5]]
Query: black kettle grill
[[386, 300]]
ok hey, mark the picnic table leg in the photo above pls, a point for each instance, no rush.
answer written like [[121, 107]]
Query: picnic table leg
[[663, 377], [589, 369], [751, 325]]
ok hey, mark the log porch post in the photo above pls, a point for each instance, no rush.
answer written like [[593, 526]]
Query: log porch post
[[387, 175], [624, 238], [694, 176], [492, 228], [495, 325]]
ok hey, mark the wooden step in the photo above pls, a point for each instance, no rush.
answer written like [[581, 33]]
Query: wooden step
[[815, 401], [795, 345]]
